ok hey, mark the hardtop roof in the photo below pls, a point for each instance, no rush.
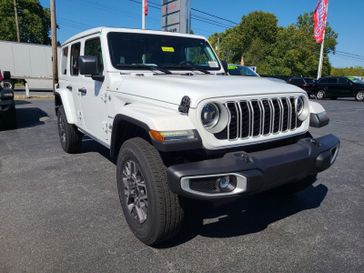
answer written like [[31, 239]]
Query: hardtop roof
[[93, 31]]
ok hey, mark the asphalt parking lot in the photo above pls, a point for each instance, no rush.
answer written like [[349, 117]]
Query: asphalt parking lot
[[61, 213]]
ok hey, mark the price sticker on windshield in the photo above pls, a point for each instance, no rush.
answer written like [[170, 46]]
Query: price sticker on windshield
[[169, 49]]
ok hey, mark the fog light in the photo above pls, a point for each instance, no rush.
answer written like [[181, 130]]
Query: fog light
[[226, 183]]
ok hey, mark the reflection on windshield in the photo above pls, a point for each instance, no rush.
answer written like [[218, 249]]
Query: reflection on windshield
[[136, 51]]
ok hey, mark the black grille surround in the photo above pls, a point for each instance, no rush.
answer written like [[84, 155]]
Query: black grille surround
[[260, 117]]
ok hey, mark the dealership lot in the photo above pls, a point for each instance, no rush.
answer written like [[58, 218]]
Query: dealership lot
[[61, 213]]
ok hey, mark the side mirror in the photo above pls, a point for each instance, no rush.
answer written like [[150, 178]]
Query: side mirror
[[225, 66], [89, 66], [7, 75]]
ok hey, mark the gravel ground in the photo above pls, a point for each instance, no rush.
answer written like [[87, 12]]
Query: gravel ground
[[61, 213]]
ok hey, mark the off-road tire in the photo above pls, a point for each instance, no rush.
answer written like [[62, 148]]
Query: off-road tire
[[321, 94], [71, 141], [165, 214], [10, 119], [359, 96], [294, 188]]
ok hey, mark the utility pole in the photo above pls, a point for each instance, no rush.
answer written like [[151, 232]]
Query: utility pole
[[143, 14], [54, 43], [16, 22]]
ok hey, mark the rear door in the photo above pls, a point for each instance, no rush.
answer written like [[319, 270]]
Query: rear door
[[74, 79], [332, 87]]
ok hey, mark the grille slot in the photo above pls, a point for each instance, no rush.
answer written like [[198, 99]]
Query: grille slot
[[261, 117]]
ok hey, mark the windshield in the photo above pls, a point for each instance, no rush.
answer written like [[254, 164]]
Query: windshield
[[356, 80], [238, 70], [137, 51]]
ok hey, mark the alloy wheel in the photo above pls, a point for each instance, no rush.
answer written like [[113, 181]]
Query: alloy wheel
[[135, 191]]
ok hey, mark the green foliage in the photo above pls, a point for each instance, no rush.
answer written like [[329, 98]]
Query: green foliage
[[275, 50], [34, 21], [348, 71]]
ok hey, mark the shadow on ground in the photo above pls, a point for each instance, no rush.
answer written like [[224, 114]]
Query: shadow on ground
[[220, 219], [28, 117], [246, 215]]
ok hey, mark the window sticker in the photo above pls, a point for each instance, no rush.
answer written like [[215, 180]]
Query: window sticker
[[168, 49], [232, 67], [213, 64]]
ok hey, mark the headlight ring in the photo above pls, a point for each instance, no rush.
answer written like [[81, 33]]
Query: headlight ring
[[210, 115]]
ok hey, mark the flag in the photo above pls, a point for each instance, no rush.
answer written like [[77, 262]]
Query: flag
[[146, 7], [320, 19]]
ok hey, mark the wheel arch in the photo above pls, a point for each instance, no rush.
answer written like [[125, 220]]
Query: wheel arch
[[61, 98], [124, 128]]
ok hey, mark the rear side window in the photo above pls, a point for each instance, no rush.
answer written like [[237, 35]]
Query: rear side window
[[93, 48], [75, 54], [332, 80], [64, 60], [343, 81]]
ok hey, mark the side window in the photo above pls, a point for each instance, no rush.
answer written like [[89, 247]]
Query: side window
[[324, 80], [332, 80], [343, 81], [93, 48], [75, 53], [64, 61]]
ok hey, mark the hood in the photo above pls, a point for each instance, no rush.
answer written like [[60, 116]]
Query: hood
[[172, 88]]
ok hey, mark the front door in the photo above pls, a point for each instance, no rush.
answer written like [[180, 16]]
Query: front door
[[94, 96]]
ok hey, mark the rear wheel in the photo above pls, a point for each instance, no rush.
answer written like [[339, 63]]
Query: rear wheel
[[152, 211], [69, 136], [359, 96], [321, 94]]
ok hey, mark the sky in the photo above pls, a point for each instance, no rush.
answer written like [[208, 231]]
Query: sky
[[345, 17]]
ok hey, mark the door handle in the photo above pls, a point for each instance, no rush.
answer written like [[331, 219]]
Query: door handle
[[82, 90], [69, 87]]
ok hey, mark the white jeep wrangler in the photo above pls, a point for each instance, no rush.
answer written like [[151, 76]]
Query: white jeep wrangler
[[180, 127]]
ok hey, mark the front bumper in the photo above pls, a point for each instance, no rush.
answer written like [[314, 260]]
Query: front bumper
[[257, 171]]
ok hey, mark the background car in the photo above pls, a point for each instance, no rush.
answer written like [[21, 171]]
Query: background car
[[7, 106], [305, 83], [339, 87], [241, 70]]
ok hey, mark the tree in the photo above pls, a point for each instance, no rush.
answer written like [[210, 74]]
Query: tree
[[348, 71], [257, 28], [34, 21], [285, 51]]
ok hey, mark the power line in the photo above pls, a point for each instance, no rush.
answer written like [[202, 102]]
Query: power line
[[217, 17]]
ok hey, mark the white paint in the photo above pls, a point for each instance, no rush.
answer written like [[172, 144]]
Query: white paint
[[154, 99]]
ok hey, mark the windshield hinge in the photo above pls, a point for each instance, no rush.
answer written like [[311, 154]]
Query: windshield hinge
[[184, 107]]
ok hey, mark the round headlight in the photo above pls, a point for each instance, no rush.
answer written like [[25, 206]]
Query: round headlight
[[210, 115], [301, 108]]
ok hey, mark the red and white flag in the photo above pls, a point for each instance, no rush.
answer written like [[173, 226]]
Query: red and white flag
[[320, 19], [146, 7]]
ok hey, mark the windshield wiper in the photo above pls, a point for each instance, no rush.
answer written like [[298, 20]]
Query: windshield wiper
[[189, 67], [142, 66]]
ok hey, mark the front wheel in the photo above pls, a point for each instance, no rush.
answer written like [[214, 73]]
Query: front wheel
[[321, 94], [359, 96], [152, 211]]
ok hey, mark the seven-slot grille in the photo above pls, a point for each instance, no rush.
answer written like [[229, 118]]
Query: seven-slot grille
[[260, 117]]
